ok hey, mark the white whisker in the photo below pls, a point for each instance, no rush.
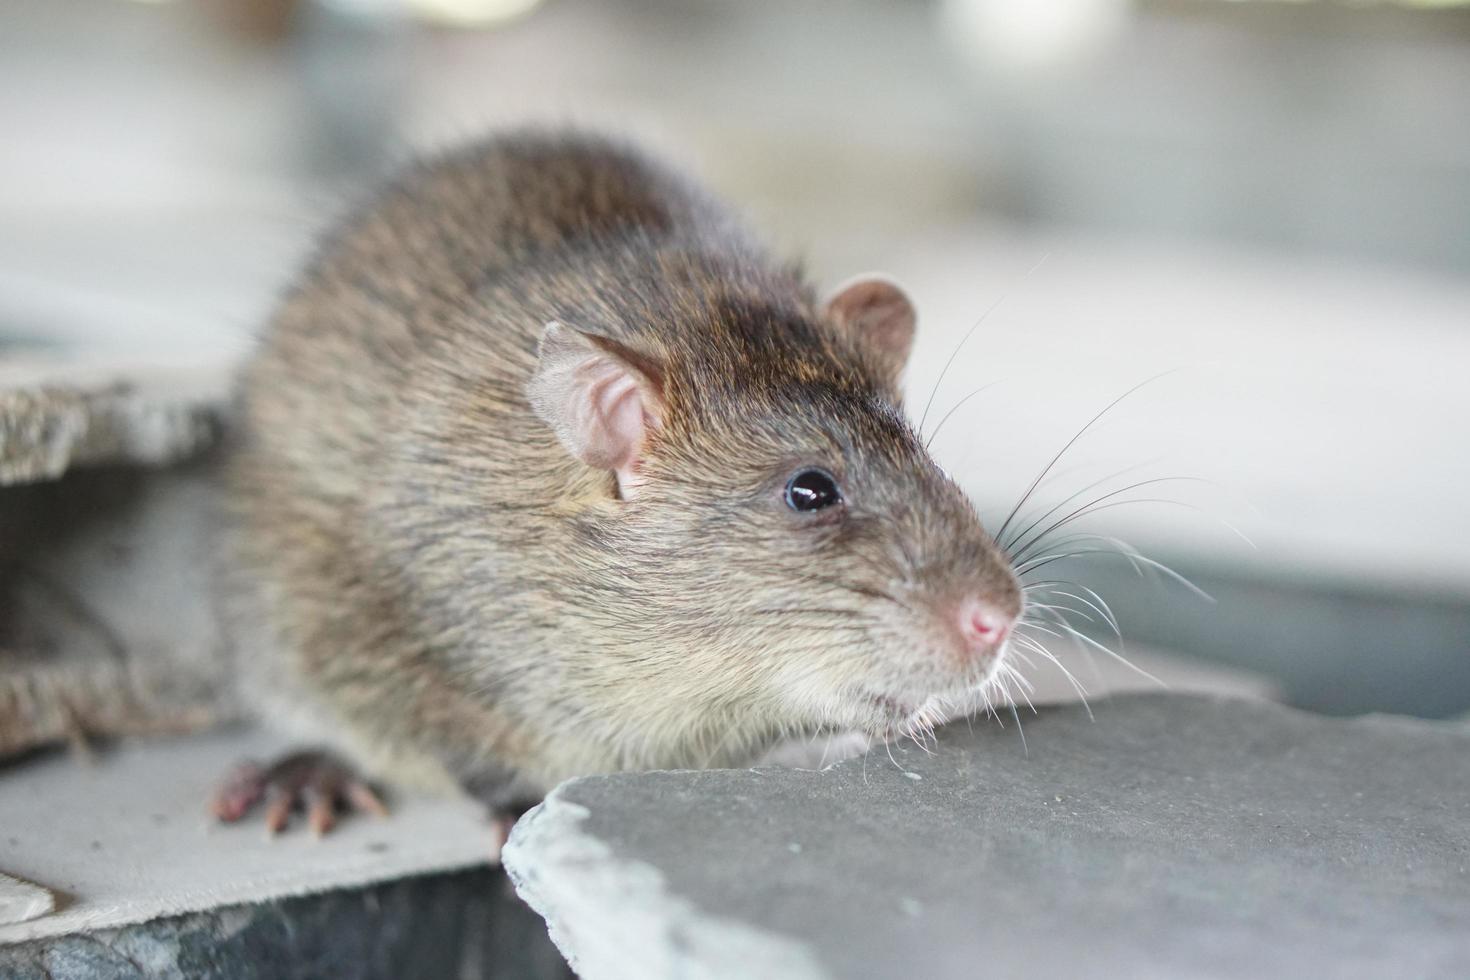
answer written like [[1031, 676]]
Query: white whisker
[[970, 333], [1071, 678], [1000, 534]]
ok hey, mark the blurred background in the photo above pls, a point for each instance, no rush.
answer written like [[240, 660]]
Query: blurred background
[[1259, 210]]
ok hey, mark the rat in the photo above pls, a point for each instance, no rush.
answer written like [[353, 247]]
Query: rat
[[544, 467]]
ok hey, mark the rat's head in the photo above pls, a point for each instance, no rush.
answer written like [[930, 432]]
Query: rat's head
[[785, 540]]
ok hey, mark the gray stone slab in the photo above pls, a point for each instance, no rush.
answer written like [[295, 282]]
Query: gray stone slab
[[58, 414], [104, 624], [1174, 836], [467, 924]]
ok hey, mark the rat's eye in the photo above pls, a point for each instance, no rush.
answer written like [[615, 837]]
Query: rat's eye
[[812, 489]]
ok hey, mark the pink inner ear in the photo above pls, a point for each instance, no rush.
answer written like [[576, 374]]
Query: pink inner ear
[[600, 405], [618, 424], [619, 434]]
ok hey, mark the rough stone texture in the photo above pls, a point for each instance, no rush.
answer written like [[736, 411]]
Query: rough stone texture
[[106, 625], [56, 415], [467, 925], [1173, 836]]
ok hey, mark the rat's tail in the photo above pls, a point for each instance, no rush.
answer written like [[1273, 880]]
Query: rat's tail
[[43, 705]]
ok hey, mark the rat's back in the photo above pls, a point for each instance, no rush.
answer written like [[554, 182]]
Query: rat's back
[[447, 225], [411, 275]]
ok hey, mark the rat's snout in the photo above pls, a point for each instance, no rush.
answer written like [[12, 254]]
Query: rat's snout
[[983, 626]]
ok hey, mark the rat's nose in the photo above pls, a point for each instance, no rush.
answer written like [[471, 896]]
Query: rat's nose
[[982, 626]]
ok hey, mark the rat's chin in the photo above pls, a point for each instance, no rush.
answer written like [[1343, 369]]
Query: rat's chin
[[889, 716], [891, 712]]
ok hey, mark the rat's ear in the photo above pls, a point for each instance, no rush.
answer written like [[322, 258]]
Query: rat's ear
[[600, 398], [878, 316]]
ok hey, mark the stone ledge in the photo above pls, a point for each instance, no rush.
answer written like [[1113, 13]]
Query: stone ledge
[[1173, 836], [125, 839], [464, 924], [58, 414]]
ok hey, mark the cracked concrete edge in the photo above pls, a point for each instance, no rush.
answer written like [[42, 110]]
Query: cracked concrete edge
[[21, 901], [615, 919], [52, 419]]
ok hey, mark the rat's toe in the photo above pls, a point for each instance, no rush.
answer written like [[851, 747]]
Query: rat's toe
[[313, 781]]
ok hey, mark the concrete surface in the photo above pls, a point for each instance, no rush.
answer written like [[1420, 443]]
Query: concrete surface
[[125, 838], [1174, 836]]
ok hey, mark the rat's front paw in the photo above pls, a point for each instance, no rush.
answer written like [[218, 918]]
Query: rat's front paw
[[314, 781]]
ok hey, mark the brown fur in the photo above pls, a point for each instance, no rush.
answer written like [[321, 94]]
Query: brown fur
[[445, 584]]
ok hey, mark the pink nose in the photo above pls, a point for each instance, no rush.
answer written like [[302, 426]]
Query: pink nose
[[982, 626]]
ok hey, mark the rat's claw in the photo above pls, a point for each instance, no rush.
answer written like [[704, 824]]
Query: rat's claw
[[314, 781], [278, 806], [362, 797], [240, 791], [321, 813]]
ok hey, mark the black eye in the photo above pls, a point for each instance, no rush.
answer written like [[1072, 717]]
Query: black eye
[[812, 490]]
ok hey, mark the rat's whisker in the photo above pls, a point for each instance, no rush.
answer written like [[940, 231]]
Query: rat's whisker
[[970, 333], [1152, 563], [957, 406], [1031, 564], [1038, 648], [888, 747], [1019, 730], [1031, 664], [1041, 561], [1105, 608], [1065, 471], [1021, 546], [826, 748], [1000, 535], [1098, 505], [1056, 606], [1084, 638], [1123, 549], [1104, 613], [1077, 493], [1032, 624], [1050, 585], [1007, 673], [1112, 476]]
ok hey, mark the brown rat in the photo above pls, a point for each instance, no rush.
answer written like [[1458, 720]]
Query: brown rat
[[547, 469]]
